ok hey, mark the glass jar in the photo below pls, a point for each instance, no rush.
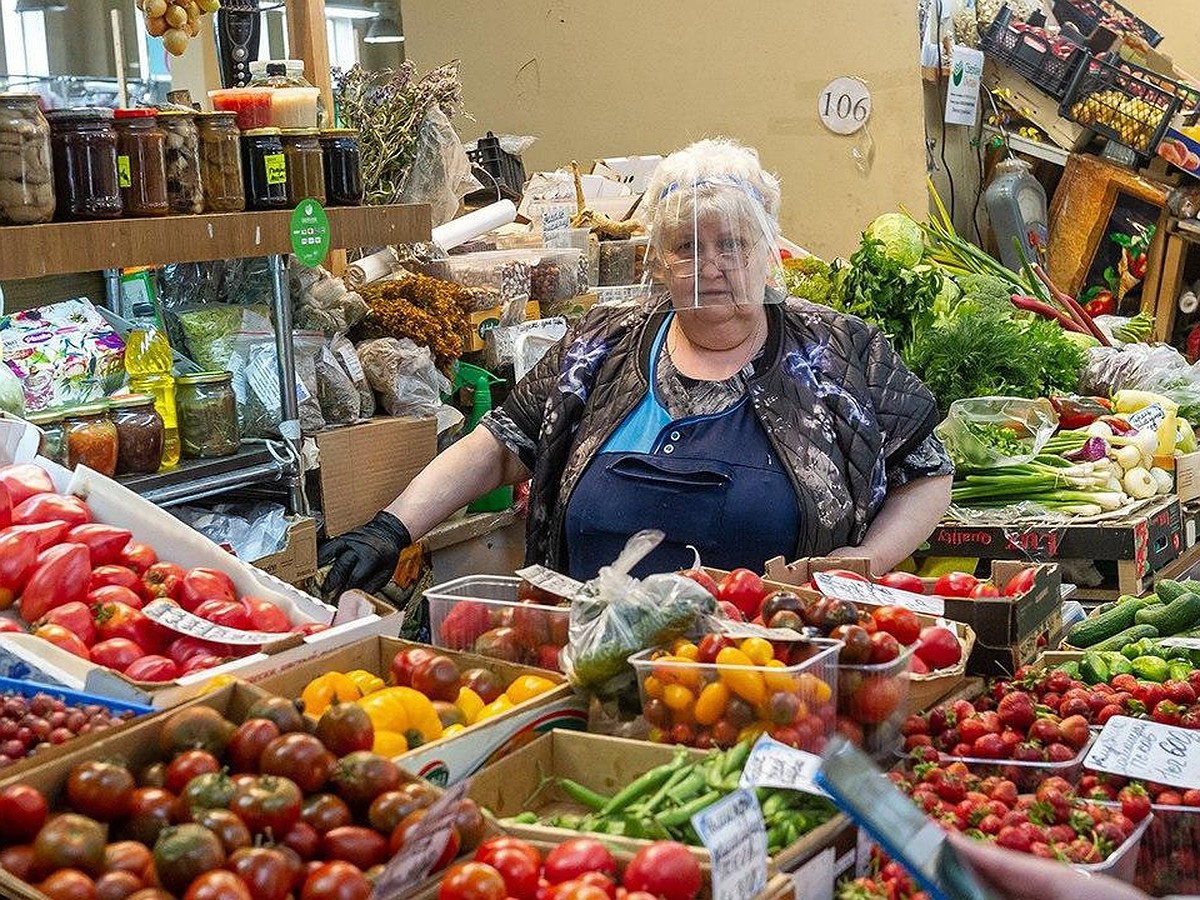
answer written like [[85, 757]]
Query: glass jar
[[343, 166], [208, 418], [162, 389], [83, 144], [221, 162], [142, 163], [26, 170], [264, 168], [53, 442], [139, 434], [305, 165], [185, 191], [91, 438]]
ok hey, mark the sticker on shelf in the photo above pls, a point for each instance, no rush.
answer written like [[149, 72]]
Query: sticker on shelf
[[1138, 748], [733, 832], [877, 595], [310, 233], [844, 105], [774, 764]]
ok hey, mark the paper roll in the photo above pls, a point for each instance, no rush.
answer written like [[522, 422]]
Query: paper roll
[[472, 225], [370, 268]]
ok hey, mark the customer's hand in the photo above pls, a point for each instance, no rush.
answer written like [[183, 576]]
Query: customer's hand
[[364, 558], [1020, 876]]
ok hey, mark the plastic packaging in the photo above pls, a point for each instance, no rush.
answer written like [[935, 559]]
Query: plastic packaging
[[256, 383], [1159, 368], [141, 163], [211, 330], [84, 148], [404, 376], [26, 168], [336, 393], [1025, 775], [221, 162], [506, 274], [970, 423], [559, 274], [252, 530], [295, 103], [1016, 205], [440, 174], [322, 302], [348, 359], [866, 694], [251, 105], [1166, 858]]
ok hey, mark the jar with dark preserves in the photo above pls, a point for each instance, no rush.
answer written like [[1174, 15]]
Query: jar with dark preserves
[[140, 434], [208, 417], [221, 162], [91, 438], [264, 168], [305, 165], [142, 163], [84, 147], [53, 443], [343, 166], [26, 172], [185, 193]]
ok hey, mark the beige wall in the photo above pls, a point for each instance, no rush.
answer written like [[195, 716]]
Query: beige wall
[[1179, 23], [623, 77]]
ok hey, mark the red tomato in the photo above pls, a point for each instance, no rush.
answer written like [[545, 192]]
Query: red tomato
[[576, 856], [230, 613], [1021, 583], [25, 480], [491, 846], [218, 885], [903, 581], [203, 584], [266, 616], [884, 648], [984, 590], [115, 620], [939, 647], [267, 872], [405, 661], [336, 881], [115, 593], [702, 578], [22, 812], [743, 589], [875, 700], [64, 639], [51, 508], [138, 557], [75, 617], [666, 869], [268, 802], [102, 576], [104, 542], [162, 579], [519, 871], [902, 624], [955, 584], [152, 668], [472, 881], [186, 766], [731, 612]]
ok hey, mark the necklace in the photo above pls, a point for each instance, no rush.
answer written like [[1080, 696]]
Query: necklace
[[673, 343]]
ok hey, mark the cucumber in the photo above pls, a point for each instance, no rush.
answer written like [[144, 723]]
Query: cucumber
[[1092, 668], [1178, 615], [1095, 629], [1130, 635], [1167, 589]]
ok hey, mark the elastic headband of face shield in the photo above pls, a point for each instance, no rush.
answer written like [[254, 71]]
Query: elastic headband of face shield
[[712, 243]]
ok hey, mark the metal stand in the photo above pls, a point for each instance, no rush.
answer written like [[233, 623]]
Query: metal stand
[[285, 353], [112, 290]]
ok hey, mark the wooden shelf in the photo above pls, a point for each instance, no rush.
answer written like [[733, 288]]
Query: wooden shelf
[[34, 251]]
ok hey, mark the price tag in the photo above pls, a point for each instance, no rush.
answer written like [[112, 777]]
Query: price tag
[[775, 764], [173, 616], [550, 581], [814, 879], [1189, 643], [276, 168], [421, 849], [1147, 418], [555, 219], [844, 105], [733, 831], [877, 595], [742, 630], [352, 363], [124, 176], [1137, 748]]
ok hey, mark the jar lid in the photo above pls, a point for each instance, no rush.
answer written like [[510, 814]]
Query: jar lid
[[44, 416], [22, 98], [139, 112], [130, 401], [205, 378], [177, 113], [220, 115], [261, 132], [339, 132], [99, 408], [80, 114], [299, 132]]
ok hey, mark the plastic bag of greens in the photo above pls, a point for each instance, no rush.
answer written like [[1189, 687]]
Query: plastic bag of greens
[[1159, 368], [337, 394], [210, 331], [440, 174], [984, 432], [347, 356], [255, 368], [615, 615]]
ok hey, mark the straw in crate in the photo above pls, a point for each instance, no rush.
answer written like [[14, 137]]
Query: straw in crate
[[719, 692]]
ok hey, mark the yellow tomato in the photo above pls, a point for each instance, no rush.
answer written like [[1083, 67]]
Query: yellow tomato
[[686, 649], [469, 704], [677, 697], [758, 649], [752, 732], [325, 690], [777, 681], [676, 670], [527, 687], [736, 671], [812, 689], [500, 705], [653, 687], [368, 682], [711, 703], [389, 743]]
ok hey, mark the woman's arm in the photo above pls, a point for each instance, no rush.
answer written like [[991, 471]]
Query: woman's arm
[[464, 472], [906, 519]]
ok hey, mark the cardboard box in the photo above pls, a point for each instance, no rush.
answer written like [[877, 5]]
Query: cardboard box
[[1187, 477], [367, 465], [1034, 105], [484, 320], [450, 760], [988, 660], [297, 561], [605, 764]]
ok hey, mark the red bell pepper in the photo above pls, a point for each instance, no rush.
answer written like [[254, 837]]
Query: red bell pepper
[[25, 480], [1117, 424], [47, 533], [1078, 412], [52, 508], [61, 576], [18, 556], [104, 541]]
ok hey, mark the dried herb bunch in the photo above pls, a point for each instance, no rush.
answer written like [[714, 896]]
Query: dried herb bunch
[[430, 311], [387, 107]]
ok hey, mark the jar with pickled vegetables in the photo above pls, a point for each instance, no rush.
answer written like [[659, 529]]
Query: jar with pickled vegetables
[[185, 191], [140, 434], [208, 417], [221, 162], [53, 442], [91, 438], [305, 165], [26, 171]]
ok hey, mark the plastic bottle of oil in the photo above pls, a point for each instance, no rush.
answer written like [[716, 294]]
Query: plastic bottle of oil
[[148, 360]]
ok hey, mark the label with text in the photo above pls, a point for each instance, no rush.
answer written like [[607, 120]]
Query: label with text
[[733, 832], [1137, 748], [550, 581], [422, 847], [774, 764], [814, 879], [275, 165], [1149, 417], [173, 616], [743, 630], [877, 595]]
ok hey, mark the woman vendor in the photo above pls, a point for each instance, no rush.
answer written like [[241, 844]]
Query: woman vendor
[[725, 414]]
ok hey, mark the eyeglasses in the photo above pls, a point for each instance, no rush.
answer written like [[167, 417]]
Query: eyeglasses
[[689, 265]]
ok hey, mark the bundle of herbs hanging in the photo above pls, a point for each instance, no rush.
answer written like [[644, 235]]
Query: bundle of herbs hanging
[[387, 108]]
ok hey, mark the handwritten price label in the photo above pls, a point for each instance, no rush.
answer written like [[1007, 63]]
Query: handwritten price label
[[733, 831], [1189, 643], [775, 764], [422, 848], [1148, 418], [1137, 748], [877, 595], [742, 630], [175, 617]]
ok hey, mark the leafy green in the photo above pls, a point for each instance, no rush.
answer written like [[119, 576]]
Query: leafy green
[[811, 278], [902, 238], [897, 299], [986, 288]]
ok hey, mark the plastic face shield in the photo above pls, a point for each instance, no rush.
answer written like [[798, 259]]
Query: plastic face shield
[[713, 244]]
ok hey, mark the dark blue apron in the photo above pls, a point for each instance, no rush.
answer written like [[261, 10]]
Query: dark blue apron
[[710, 481]]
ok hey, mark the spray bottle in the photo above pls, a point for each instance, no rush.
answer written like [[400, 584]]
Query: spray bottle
[[481, 381]]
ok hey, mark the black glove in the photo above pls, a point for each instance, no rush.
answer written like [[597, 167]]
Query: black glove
[[364, 558]]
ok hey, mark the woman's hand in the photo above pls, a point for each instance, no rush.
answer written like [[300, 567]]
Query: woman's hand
[[908, 516]]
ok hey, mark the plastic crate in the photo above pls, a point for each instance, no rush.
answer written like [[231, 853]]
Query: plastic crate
[[488, 603], [1167, 859], [1189, 97], [1120, 105], [794, 704], [506, 169], [1122, 863], [1086, 15], [1031, 54], [1025, 775], [874, 700]]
